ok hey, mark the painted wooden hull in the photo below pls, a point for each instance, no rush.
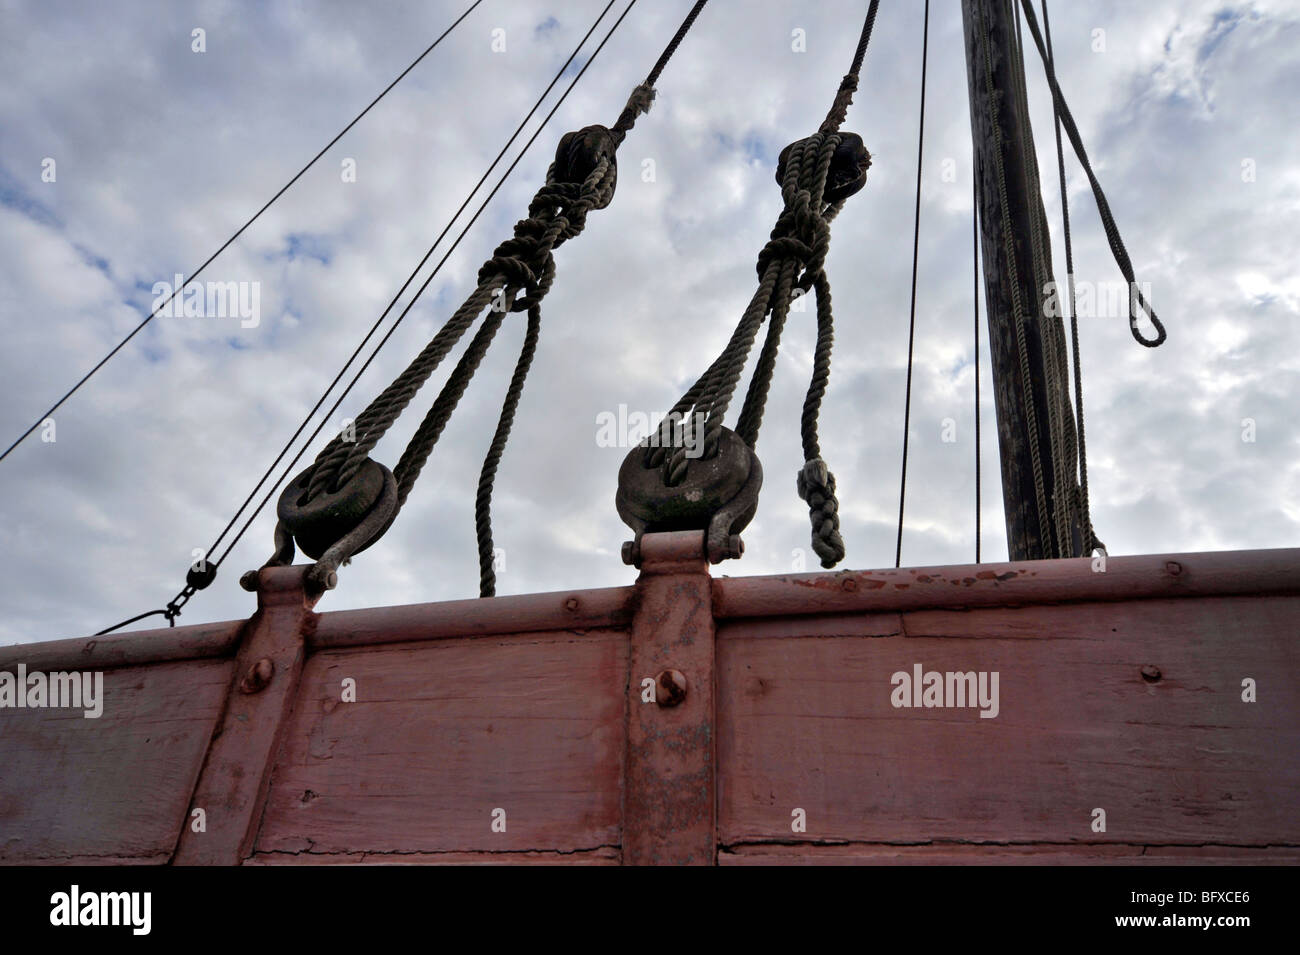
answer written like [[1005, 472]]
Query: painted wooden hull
[[513, 730]]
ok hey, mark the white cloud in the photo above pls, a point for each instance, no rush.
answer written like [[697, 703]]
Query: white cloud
[[162, 153]]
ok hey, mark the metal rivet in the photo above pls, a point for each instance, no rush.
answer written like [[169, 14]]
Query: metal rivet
[[258, 676], [670, 688], [1173, 567], [1151, 673], [849, 584], [571, 604]]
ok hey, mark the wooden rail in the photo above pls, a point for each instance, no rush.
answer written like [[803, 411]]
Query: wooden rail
[[690, 720]]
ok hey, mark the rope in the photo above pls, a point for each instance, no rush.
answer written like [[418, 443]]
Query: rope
[[916, 244], [523, 263], [975, 262], [183, 597], [483, 497], [1090, 542], [1058, 538], [240, 231], [401, 291], [1018, 312], [794, 258], [839, 110], [1103, 207]]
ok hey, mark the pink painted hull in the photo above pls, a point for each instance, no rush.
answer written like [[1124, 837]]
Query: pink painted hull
[[514, 730]]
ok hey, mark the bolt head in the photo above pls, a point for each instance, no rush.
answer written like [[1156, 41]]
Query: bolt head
[[258, 676], [670, 688], [1151, 673]]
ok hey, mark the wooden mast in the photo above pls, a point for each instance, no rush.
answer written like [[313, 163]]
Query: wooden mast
[[1000, 128]]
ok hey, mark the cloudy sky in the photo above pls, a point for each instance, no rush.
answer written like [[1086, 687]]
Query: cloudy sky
[[1188, 108]]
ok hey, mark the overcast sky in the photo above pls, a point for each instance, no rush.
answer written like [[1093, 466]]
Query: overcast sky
[[1188, 108]]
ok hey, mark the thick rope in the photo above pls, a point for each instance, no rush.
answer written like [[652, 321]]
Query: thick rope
[[792, 260], [522, 264], [1060, 429], [839, 110], [1090, 543], [487, 476]]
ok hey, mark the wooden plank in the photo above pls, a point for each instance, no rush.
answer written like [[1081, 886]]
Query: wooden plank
[[116, 788], [441, 734], [808, 723], [604, 855], [1034, 855], [670, 795], [528, 613], [199, 641], [236, 773], [999, 585]]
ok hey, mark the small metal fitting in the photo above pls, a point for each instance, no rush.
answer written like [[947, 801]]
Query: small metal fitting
[[258, 676], [670, 688]]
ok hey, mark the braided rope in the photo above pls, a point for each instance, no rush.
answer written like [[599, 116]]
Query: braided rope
[[1017, 305], [793, 258], [1090, 542], [487, 476]]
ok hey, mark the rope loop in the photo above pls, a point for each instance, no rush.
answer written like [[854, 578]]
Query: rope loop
[[1137, 300]]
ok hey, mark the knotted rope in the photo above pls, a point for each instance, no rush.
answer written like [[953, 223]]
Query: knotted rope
[[516, 278], [816, 175]]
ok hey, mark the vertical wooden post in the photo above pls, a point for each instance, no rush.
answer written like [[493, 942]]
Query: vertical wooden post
[[233, 784], [998, 124], [670, 788]]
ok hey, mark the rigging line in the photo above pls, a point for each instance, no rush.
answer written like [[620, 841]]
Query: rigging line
[[975, 261], [140, 616], [1113, 238], [173, 608], [1089, 536], [436, 269], [839, 110], [916, 240], [410, 278], [283, 189]]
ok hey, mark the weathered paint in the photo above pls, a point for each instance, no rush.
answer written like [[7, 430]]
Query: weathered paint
[[1118, 690]]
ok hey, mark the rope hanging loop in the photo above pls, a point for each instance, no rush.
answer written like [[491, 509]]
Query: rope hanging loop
[[718, 495], [355, 514]]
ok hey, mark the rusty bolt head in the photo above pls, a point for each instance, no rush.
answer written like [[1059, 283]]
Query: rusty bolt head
[[1173, 567], [571, 604], [630, 554], [249, 581], [849, 584], [1151, 673], [735, 547], [670, 688], [258, 676]]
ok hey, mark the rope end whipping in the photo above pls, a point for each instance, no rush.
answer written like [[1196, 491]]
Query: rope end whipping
[[816, 486]]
